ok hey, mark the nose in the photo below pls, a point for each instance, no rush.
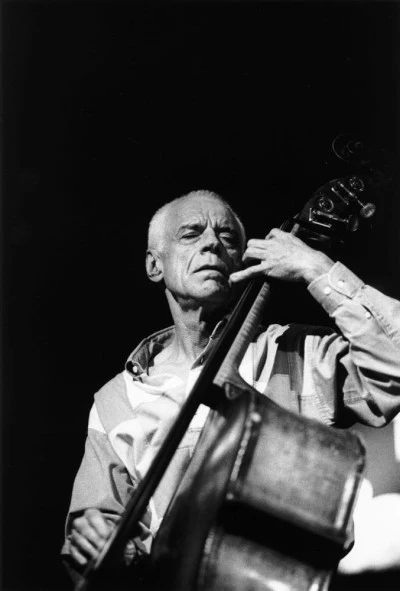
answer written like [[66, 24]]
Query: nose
[[211, 241]]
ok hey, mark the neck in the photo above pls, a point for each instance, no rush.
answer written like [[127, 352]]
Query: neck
[[194, 325]]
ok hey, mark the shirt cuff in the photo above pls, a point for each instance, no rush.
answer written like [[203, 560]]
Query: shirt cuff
[[333, 288]]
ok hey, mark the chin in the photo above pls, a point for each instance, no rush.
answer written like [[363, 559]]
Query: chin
[[216, 296]]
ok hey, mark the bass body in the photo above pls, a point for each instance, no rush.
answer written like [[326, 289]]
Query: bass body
[[265, 504]]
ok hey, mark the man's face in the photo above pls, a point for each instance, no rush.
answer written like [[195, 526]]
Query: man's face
[[202, 246]]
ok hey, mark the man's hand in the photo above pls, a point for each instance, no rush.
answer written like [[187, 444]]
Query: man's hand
[[282, 256], [88, 535]]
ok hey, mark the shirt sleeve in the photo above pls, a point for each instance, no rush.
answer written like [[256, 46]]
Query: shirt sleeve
[[103, 483], [367, 355]]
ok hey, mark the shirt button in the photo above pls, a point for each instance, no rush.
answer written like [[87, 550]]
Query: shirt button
[[201, 360], [327, 290], [367, 315]]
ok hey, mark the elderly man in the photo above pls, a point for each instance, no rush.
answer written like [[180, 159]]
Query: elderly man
[[197, 251]]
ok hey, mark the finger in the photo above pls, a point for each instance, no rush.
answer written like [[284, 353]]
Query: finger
[[98, 522], [254, 253], [84, 528], [248, 273], [85, 546], [256, 242], [78, 556], [275, 232]]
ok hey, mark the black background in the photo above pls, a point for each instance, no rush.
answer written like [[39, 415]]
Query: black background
[[112, 108]]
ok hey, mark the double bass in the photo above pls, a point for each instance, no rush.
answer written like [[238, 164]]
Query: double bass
[[267, 500]]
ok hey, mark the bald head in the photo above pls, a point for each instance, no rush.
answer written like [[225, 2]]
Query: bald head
[[161, 219]]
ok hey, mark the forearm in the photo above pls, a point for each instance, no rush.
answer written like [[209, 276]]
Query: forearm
[[370, 323]]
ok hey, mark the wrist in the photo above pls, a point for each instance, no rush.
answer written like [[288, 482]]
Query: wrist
[[320, 265]]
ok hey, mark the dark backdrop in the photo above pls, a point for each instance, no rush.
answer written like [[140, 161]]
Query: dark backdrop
[[112, 108]]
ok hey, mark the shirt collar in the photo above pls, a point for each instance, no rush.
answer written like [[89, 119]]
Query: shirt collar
[[141, 357]]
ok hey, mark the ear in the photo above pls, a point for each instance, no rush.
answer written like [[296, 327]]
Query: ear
[[154, 267]]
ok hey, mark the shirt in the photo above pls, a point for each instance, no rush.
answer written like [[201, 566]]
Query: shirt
[[335, 377]]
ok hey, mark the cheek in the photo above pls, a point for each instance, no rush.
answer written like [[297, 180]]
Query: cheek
[[178, 272], [236, 258]]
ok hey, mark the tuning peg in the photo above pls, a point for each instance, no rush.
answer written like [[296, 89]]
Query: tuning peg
[[367, 209]]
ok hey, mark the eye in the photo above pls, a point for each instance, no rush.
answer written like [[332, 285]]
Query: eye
[[191, 231], [230, 237], [191, 234]]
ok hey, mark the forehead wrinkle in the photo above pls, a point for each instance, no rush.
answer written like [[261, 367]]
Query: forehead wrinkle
[[220, 215], [225, 221]]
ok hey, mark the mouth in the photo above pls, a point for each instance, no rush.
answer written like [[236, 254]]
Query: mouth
[[220, 269]]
